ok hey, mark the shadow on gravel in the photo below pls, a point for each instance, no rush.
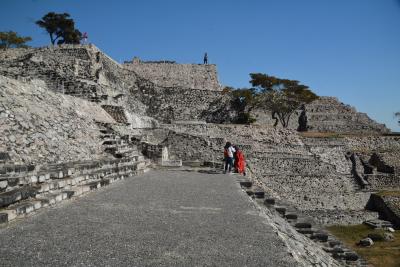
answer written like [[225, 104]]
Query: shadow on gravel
[[207, 171], [210, 171]]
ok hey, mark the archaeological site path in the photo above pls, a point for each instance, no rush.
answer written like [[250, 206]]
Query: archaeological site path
[[162, 218]]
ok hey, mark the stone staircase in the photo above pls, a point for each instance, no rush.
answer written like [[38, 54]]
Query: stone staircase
[[116, 145], [304, 224], [29, 188]]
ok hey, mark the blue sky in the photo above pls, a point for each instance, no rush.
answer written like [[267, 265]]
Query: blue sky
[[344, 48]]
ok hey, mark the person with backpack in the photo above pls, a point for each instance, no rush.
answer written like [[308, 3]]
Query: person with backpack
[[228, 157]]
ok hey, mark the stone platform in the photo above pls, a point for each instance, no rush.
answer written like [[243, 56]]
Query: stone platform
[[188, 219]]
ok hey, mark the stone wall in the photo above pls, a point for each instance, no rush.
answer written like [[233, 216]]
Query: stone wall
[[383, 181], [167, 74], [170, 104]]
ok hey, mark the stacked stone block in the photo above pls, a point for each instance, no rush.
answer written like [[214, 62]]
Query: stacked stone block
[[29, 188]]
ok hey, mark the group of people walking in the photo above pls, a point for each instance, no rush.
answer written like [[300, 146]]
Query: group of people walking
[[234, 159]]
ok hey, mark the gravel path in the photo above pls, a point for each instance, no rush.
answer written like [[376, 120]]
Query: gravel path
[[169, 218]]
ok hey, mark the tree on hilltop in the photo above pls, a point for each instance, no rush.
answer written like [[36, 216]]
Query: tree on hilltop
[[61, 28], [12, 39], [397, 114], [281, 96]]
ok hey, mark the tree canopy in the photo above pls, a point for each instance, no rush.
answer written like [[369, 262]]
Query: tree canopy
[[243, 101], [397, 114], [281, 96], [61, 28], [12, 39]]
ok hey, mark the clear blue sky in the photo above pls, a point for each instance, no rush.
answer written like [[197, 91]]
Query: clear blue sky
[[344, 48]]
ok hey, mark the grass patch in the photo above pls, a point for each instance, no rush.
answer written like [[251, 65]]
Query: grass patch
[[381, 254]]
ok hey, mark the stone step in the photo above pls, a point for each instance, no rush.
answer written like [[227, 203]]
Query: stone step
[[245, 183], [290, 216], [303, 225], [269, 201], [26, 207], [52, 186], [10, 197], [320, 236], [259, 193], [281, 210], [93, 184], [249, 192], [52, 198], [7, 216], [16, 169], [306, 231]]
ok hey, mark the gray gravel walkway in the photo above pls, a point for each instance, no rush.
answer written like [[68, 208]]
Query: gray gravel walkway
[[169, 218]]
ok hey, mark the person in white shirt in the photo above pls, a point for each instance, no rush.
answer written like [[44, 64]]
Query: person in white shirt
[[228, 157]]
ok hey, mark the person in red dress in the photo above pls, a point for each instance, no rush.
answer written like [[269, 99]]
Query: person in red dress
[[240, 162]]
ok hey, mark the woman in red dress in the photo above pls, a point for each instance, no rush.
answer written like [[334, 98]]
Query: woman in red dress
[[240, 162]]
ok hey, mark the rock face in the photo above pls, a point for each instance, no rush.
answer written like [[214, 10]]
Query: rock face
[[39, 125]]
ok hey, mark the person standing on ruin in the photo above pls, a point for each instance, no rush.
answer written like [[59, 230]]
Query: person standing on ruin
[[205, 58], [84, 38], [228, 157]]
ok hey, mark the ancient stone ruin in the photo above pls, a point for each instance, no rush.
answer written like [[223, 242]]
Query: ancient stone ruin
[[72, 120]]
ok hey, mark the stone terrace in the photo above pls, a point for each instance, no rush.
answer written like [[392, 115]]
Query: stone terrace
[[328, 114]]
